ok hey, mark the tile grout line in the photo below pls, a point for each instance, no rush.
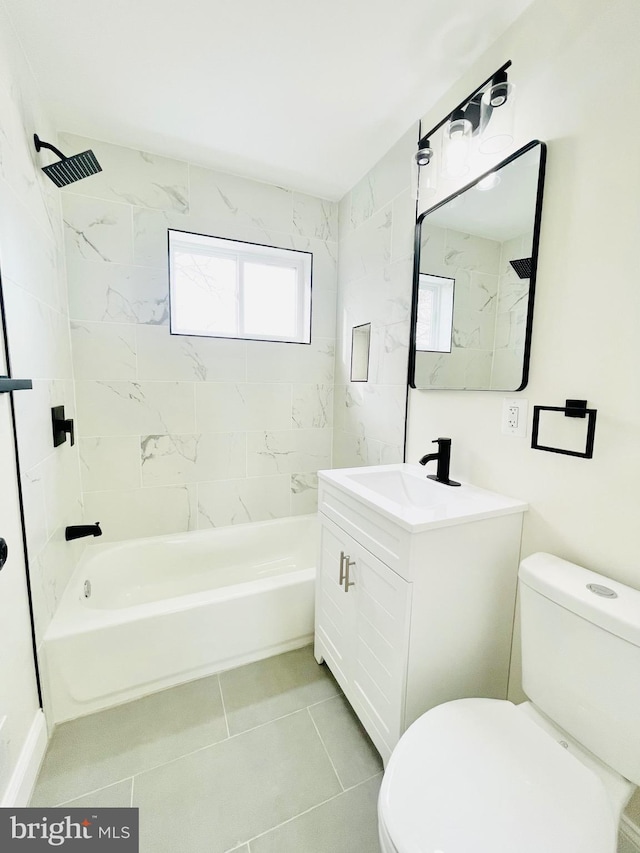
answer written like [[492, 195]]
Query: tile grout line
[[306, 811], [328, 699], [89, 793], [201, 748], [325, 748], [224, 707], [229, 737], [214, 743], [368, 779]]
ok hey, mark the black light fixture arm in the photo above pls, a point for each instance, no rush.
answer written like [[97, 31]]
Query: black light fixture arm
[[40, 144], [499, 74]]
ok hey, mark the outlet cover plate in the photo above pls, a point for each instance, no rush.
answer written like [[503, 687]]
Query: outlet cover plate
[[514, 416]]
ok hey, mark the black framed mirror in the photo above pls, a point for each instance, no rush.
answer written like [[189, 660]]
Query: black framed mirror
[[474, 280]]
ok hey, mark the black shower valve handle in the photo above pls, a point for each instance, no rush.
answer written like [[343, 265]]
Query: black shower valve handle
[[69, 427], [62, 427]]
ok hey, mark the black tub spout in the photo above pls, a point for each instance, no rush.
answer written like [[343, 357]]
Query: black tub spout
[[79, 531]]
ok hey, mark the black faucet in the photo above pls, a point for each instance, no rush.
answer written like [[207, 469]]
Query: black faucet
[[443, 458], [80, 530]]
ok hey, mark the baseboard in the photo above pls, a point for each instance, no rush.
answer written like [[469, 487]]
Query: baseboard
[[23, 779], [631, 831]]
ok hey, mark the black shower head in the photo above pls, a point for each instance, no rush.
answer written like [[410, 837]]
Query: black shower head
[[522, 267], [69, 169]]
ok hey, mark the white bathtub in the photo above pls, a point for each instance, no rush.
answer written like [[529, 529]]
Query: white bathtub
[[170, 609]]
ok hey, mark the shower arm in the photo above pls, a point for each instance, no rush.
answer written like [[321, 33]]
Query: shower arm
[[40, 144]]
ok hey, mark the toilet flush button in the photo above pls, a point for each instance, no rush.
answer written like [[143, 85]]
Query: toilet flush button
[[604, 591]]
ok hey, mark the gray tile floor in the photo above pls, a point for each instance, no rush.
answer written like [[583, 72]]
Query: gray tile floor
[[266, 758]]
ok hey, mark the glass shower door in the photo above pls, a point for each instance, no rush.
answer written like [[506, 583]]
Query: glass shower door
[[18, 685]]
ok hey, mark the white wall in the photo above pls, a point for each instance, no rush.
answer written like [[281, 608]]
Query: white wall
[[577, 70], [176, 432]]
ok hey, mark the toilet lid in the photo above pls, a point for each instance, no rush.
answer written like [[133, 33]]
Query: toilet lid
[[478, 776]]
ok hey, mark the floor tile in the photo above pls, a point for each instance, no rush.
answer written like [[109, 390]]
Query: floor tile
[[96, 751], [625, 845], [353, 755], [112, 797], [263, 691], [346, 824], [219, 797]]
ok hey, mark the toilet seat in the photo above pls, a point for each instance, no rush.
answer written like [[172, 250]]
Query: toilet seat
[[477, 775]]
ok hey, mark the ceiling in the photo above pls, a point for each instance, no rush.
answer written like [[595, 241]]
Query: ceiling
[[307, 94]]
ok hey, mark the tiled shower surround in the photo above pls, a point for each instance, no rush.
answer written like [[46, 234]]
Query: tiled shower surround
[[377, 221], [181, 433]]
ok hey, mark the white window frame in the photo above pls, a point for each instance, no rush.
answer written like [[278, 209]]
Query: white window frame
[[244, 252], [442, 290]]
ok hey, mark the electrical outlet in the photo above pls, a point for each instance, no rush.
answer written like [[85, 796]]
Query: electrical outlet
[[514, 416]]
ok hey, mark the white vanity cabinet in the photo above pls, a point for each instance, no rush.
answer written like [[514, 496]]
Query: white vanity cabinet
[[363, 629], [408, 618]]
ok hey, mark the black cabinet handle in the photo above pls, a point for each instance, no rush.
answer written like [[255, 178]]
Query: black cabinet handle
[[4, 553]]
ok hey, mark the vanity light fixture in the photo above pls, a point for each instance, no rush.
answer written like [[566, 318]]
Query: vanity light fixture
[[425, 182], [497, 104], [486, 115], [498, 94], [457, 144], [425, 152], [459, 125]]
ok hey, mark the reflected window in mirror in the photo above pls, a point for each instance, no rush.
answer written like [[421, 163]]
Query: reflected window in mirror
[[480, 246], [434, 319]]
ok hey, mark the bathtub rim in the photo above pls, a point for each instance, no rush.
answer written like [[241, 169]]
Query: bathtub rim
[[192, 535], [71, 618]]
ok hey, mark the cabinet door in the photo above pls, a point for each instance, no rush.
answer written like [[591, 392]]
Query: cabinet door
[[380, 650], [362, 631], [335, 610]]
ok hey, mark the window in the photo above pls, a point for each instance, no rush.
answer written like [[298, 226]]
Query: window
[[223, 288], [434, 325]]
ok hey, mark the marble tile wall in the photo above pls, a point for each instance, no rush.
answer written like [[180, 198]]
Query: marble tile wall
[[511, 316], [35, 298], [181, 433], [377, 220]]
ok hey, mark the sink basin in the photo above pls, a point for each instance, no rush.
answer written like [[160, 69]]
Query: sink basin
[[403, 487], [403, 493]]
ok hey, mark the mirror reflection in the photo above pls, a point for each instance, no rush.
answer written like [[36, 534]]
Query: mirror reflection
[[474, 281]]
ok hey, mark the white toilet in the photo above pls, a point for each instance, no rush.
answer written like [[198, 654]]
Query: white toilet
[[548, 776]]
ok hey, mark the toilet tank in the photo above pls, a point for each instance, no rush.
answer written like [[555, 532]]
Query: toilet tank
[[581, 657]]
